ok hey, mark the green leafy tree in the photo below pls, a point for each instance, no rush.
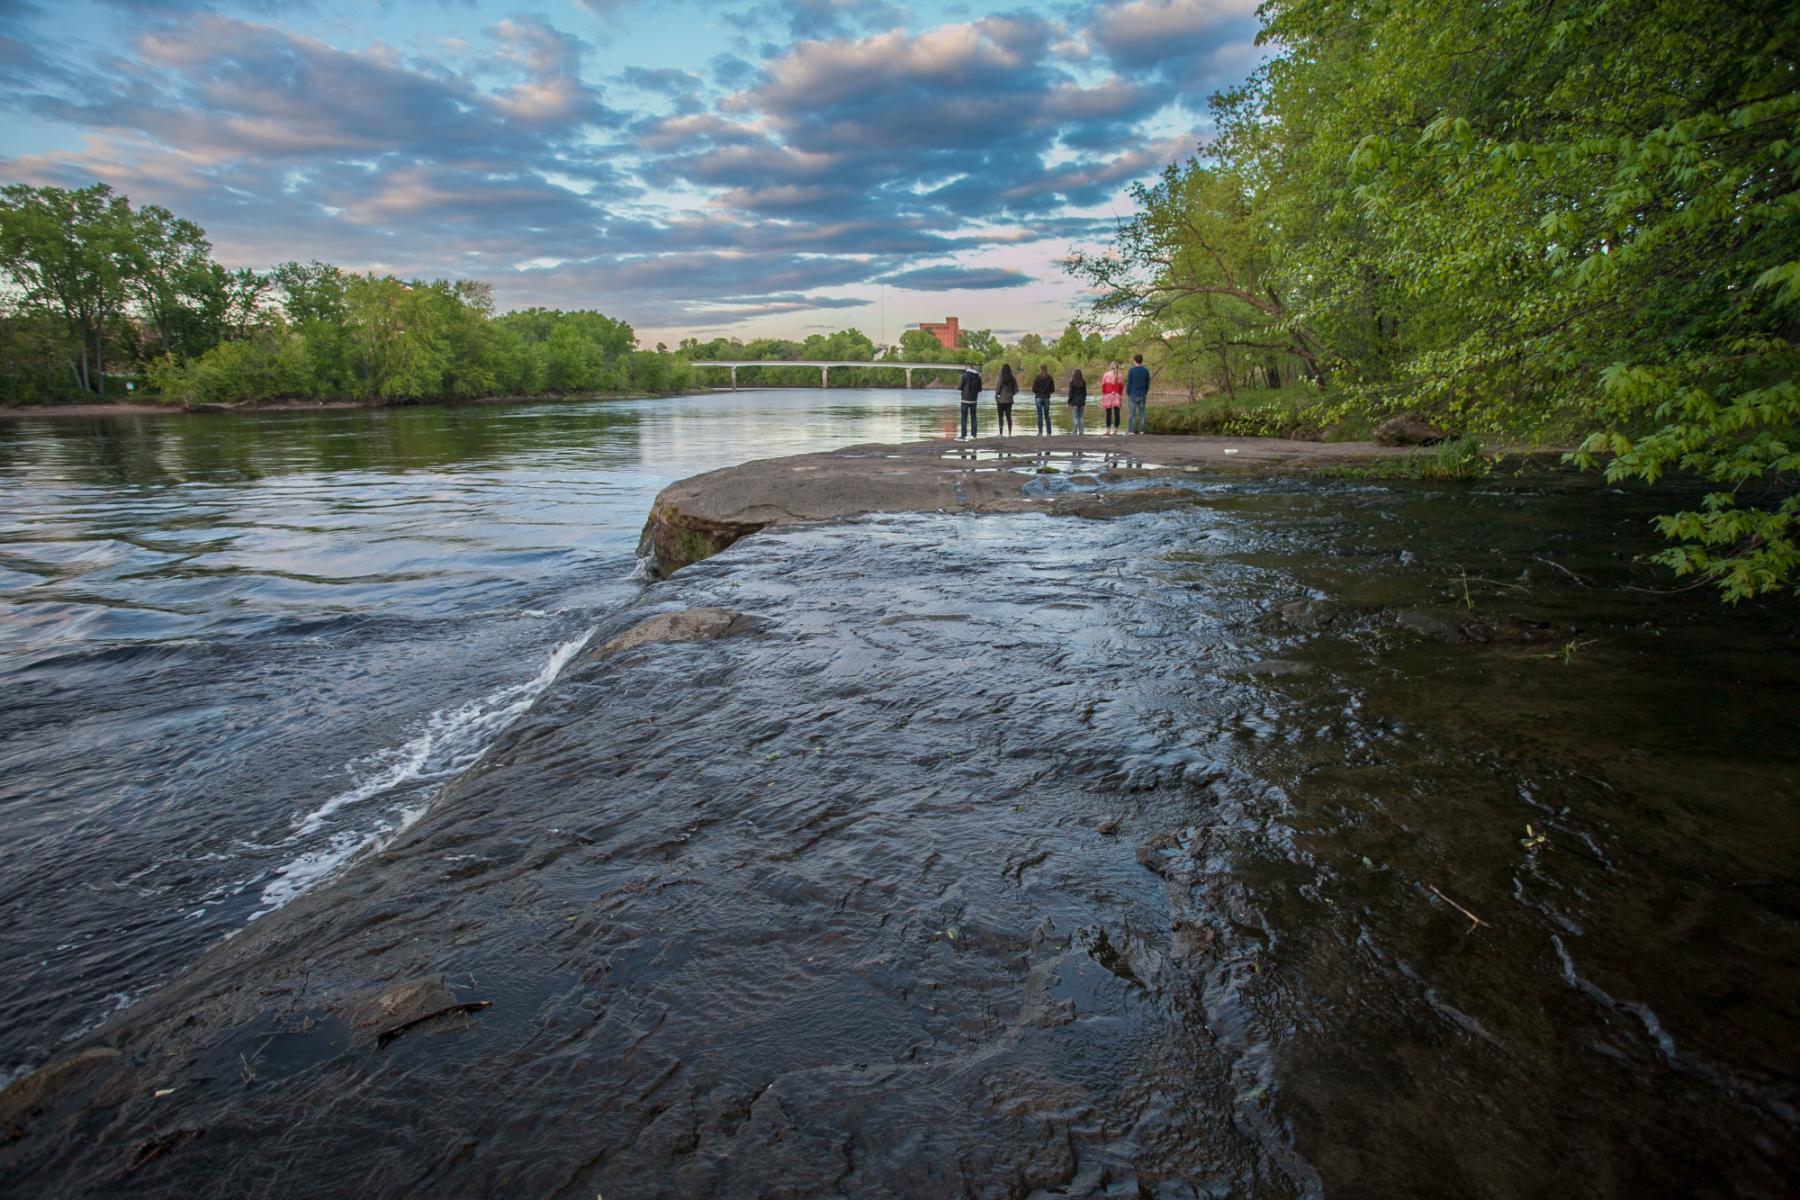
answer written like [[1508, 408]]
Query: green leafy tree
[[68, 254], [1535, 218], [979, 343], [170, 275]]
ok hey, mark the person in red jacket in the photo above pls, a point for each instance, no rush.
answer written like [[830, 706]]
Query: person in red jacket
[[1112, 397]]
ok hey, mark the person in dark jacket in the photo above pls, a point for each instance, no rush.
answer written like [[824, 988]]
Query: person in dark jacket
[[1005, 388], [1042, 388], [1137, 393], [1077, 399], [970, 387]]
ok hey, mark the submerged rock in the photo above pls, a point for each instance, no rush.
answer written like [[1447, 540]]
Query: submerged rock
[[31, 1096], [1277, 666], [688, 625], [398, 1004], [1307, 614], [1430, 625]]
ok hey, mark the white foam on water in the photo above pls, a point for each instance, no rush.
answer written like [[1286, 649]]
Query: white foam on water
[[448, 745]]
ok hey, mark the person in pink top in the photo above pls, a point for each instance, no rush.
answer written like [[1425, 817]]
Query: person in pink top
[[1112, 397]]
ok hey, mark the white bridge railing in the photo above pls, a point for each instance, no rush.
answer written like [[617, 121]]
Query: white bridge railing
[[824, 366]]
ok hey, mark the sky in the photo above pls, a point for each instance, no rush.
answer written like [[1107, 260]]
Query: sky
[[746, 168]]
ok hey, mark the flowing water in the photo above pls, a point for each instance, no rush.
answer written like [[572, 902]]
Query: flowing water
[[234, 651], [1311, 838]]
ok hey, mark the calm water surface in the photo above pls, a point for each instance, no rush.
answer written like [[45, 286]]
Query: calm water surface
[[235, 650]]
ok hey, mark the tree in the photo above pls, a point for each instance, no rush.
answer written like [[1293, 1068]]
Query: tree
[[178, 289], [1195, 262], [1535, 218], [68, 252], [979, 343]]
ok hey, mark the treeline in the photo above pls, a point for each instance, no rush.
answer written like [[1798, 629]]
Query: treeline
[[93, 289], [980, 346], [1546, 220]]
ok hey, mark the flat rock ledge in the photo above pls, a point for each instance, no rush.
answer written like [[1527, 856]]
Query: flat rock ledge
[[696, 518]]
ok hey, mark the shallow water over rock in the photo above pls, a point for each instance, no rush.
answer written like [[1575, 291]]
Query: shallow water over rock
[[234, 650], [1306, 839]]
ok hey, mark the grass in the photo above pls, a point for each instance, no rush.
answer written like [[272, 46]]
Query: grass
[[1254, 412], [1459, 458]]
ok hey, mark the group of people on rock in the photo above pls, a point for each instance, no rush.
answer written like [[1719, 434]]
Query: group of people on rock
[[1117, 390]]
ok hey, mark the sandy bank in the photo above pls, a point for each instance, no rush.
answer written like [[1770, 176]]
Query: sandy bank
[[87, 410], [698, 517]]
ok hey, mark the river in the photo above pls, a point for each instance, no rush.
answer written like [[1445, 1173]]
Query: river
[[1316, 837], [234, 651]]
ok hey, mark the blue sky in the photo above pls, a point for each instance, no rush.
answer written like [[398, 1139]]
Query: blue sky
[[747, 167]]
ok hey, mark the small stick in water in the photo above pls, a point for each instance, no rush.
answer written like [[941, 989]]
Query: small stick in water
[[1474, 920]]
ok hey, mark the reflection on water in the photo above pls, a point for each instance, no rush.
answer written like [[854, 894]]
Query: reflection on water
[[234, 650]]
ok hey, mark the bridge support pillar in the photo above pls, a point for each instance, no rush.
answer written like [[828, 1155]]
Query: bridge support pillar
[[909, 379], [734, 379], [823, 382]]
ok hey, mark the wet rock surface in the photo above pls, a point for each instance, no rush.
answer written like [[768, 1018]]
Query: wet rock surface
[[990, 867], [698, 517], [687, 625]]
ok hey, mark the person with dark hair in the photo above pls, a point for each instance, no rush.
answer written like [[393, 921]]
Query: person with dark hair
[[1077, 399], [970, 387], [1042, 388], [1005, 388], [1137, 392]]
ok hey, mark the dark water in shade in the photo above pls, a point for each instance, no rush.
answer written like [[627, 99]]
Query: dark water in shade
[[1017, 856], [235, 650]]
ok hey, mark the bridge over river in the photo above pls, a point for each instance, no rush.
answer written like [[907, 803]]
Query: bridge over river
[[824, 366]]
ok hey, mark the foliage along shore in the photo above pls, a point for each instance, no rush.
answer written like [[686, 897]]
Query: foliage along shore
[[1521, 219], [103, 300], [134, 409]]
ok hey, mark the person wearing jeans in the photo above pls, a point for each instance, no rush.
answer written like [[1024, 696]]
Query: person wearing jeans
[[970, 387], [1137, 393], [1042, 388], [1077, 399], [1004, 390]]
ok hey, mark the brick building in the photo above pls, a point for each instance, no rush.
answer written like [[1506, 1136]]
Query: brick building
[[945, 333]]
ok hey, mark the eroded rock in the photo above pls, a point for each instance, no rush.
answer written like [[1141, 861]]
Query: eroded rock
[[674, 539], [688, 625]]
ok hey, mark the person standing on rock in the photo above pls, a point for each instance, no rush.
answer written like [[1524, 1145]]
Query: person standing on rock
[[1137, 391], [970, 387], [1042, 388], [1112, 392], [1077, 399], [1005, 388]]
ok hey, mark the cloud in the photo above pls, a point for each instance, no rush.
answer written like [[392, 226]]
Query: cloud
[[950, 278], [815, 19], [847, 151], [1202, 44]]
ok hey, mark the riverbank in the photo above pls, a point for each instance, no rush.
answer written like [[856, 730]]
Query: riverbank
[[303, 406], [128, 409]]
